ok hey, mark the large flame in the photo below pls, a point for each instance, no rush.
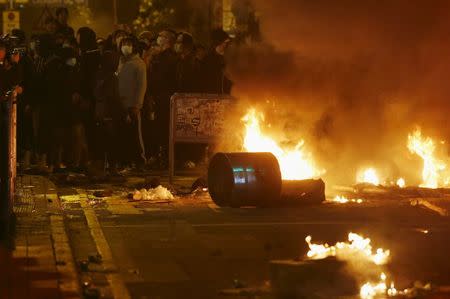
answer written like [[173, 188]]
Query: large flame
[[295, 164], [401, 183], [432, 167], [369, 176]]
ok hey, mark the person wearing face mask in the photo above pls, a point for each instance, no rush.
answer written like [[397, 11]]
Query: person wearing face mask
[[187, 68], [214, 79], [56, 109], [89, 62], [162, 85], [77, 146], [62, 27], [132, 80], [111, 51]]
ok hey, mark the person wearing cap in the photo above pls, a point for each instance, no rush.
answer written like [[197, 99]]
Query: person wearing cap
[[214, 79]]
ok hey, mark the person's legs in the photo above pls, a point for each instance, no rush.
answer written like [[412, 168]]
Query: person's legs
[[162, 127], [80, 148], [137, 147]]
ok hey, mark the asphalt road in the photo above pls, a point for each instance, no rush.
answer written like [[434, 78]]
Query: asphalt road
[[191, 248]]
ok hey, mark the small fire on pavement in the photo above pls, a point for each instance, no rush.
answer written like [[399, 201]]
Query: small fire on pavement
[[359, 251]]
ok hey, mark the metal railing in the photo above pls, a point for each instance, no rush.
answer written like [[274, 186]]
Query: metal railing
[[8, 157]]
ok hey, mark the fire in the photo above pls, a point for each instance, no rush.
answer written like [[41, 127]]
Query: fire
[[357, 246], [432, 167], [343, 199], [295, 164], [381, 289], [358, 249], [401, 183], [369, 175], [369, 290]]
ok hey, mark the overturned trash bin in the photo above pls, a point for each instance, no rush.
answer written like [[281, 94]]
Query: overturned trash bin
[[303, 191], [244, 179], [254, 179]]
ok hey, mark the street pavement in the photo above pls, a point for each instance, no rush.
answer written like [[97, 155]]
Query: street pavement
[[190, 248]]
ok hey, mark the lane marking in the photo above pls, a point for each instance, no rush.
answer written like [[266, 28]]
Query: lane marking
[[149, 225], [214, 207], [247, 224], [118, 288]]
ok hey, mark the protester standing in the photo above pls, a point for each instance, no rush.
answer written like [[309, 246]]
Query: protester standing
[[132, 78]]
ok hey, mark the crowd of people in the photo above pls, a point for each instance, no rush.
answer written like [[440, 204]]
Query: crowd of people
[[84, 99]]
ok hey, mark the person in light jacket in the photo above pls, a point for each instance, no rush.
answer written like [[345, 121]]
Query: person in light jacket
[[132, 78]]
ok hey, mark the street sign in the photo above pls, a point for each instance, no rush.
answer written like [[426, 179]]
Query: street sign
[[55, 2], [15, 1], [11, 20]]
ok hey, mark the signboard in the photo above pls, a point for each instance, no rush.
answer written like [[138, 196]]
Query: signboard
[[15, 1], [196, 118], [56, 2], [11, 20]]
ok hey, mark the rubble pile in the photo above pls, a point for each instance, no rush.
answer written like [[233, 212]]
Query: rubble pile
[[158, 193]]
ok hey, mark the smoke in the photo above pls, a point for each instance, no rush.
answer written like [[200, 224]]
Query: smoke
[[352, 78]]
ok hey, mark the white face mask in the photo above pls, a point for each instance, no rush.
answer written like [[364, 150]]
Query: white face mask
[[66, 45], [71, 61], [178, 48], [118, 40], [161, 41], [127, 50], [32, 46]]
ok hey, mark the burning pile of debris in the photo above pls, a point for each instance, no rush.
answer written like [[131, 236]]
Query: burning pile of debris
[[268, 173], [344, 269]]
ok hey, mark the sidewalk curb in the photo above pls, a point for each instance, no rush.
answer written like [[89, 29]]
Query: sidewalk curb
[[69, 281], [118, 287]]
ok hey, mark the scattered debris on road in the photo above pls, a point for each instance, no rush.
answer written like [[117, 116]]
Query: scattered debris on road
[[158, 193]]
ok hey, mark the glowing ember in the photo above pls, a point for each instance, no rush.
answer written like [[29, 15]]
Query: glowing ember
[[343, 199], [374, 290], [369, 290], [401, 183], [368, 176], [356, 247], [295, 164], [432, 167]]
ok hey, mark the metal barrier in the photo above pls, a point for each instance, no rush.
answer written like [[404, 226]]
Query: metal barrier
[[8, 162]]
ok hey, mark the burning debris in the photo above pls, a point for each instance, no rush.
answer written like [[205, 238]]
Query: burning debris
[[401, 183], [295, 163], [254, 179], [368, 176], [158, 193], [356, 247], [363, 261], [433, 168], [343, 199]]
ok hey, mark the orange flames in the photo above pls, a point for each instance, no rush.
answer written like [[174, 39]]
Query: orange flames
[[295, 163], [357, 247], [369, 176], [433, 168]]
